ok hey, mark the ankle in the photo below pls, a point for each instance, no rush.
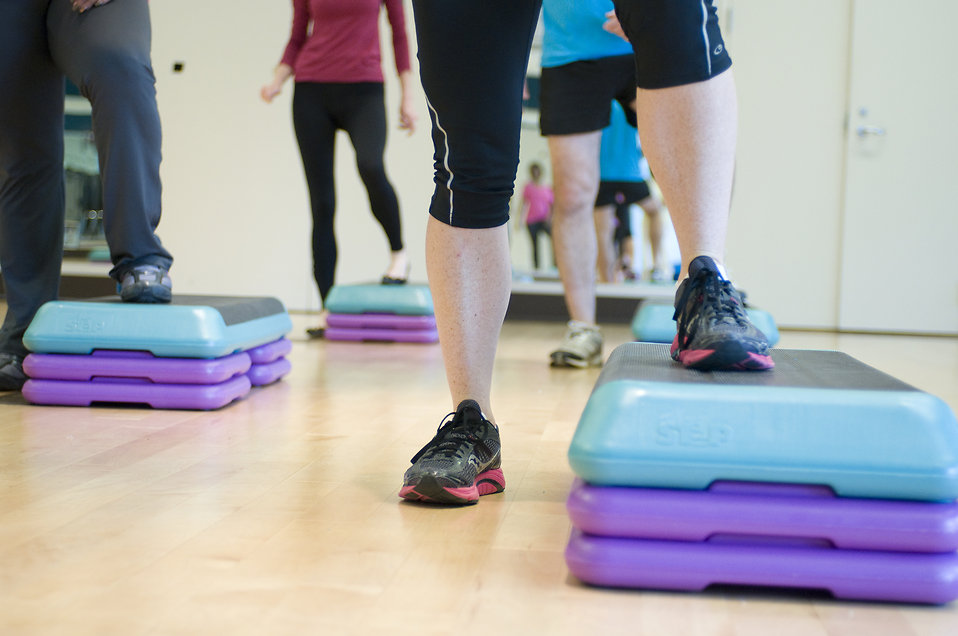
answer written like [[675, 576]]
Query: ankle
[[398, 265]]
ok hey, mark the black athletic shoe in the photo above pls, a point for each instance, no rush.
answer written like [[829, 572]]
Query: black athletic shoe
[[713, 330], [460, 463], [12, 376]]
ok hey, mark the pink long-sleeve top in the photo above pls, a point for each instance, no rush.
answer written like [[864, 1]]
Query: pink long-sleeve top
[[338, 40]]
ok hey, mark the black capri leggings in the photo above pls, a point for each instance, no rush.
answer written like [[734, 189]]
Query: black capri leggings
[[319, 110], [472, 59]]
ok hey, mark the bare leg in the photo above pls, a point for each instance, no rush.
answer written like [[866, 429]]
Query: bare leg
[[575, 174], [604, 230], [653, 220], [470, 279], [688, 134]]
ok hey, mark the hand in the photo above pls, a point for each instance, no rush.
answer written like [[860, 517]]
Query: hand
[[270, 91], [407, 116], [81, 6], [282, 73], [613, 26]]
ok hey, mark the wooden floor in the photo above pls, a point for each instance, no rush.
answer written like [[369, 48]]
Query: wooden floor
[[279, 514]]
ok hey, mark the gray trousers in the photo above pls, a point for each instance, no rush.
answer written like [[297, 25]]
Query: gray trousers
[[106, 53]]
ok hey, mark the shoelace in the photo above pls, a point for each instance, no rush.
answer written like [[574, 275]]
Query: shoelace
[[448, 439], [718, 300]]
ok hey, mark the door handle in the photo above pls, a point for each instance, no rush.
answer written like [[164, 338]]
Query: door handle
[[866, 131]]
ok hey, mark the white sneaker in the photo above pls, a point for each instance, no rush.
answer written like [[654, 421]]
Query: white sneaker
[[658, 276], [581, 347]]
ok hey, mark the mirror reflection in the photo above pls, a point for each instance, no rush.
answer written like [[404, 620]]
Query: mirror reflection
[[636, 243], [83, 223]]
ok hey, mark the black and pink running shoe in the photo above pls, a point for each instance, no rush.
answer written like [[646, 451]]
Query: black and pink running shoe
[[458, 465], [713, 330]]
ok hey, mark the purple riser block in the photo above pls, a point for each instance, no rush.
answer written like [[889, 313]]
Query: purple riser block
[[767, 510], [689, 566], [269, 372], [202, 397], [381, 321], [381, 335], [135, 364], [270, 352]]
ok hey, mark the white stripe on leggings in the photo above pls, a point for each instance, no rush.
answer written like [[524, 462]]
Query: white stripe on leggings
[[445, 158], [705, 38]]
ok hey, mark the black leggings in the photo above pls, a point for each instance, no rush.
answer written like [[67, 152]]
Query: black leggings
[[539, 227], [319, 110]]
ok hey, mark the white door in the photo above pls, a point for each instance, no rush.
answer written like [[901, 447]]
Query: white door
[[899, 269]]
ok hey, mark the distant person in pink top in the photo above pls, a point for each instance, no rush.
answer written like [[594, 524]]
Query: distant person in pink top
[[334, 55], [536, 212]]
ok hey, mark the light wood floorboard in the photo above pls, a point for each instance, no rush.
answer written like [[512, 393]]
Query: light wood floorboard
[[279, 514]]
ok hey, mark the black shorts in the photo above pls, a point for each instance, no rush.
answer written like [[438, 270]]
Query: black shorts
[[676, 42], [621, 193], [577, 97]]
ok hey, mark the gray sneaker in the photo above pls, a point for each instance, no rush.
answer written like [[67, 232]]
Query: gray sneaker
[[146, 284], [581, 347]]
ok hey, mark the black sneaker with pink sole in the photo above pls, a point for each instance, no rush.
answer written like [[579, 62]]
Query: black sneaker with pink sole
[[458, 465], [713, 331]]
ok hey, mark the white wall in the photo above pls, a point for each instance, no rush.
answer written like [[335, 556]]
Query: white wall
[[236, 214]]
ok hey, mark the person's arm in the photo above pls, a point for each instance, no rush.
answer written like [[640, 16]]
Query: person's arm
[[297, 38], [397, 23], [282, 73], [612, 25], [407, 112]]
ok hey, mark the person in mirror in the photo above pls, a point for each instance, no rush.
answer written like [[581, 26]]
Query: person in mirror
[[104, 48], [686, 111], [333, 55], [624, 181], [535, 213]]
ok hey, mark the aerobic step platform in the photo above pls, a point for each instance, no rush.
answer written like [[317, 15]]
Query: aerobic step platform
[[653, 323], [390, 313], [373, 298], [756, 534], [730, 478], [805, 514], [268, 362], [188, 327], [105, 351], [381, 327], [818, 417], [930, 578], [139, 377]]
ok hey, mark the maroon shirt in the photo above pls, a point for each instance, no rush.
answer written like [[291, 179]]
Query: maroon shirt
[[343, 44]]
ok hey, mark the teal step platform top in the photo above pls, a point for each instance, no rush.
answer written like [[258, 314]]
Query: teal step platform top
[[188, 327], [818, 417], [373, 298], [653, 323]]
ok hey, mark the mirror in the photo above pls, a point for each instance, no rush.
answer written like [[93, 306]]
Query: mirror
[[629, 265], [83, 224]]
